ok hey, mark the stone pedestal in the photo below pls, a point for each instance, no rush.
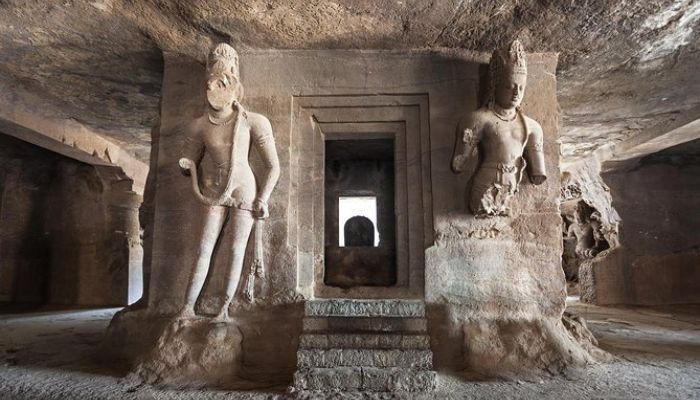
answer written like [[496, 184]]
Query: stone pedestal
[[177, 353], [365, 345]]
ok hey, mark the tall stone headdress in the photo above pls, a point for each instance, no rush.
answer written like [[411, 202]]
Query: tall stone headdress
[[222, 63], [505, 60]]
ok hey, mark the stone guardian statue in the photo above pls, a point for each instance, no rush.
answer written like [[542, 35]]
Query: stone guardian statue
[[216, 150], [506, 142]]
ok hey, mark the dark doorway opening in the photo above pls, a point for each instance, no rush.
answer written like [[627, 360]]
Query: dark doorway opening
[[69, 231], [360, 227]]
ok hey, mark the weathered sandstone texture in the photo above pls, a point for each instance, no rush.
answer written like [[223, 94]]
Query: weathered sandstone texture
[[591, 224], [499, 141], [69, 231], [658, 261], [625, 66], [494, 288], [193, 351]]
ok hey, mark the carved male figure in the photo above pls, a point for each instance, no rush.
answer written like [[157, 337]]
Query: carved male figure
[[216, 151], [505, 140]]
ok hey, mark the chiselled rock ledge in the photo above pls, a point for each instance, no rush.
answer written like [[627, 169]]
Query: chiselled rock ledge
[[364, 308], [329, 358], [342, 324], [366, 379], [365, 341]]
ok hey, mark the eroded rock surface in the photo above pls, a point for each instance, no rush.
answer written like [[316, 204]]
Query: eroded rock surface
[[161, 350], [658, 256], [624, 66], [590, 223]]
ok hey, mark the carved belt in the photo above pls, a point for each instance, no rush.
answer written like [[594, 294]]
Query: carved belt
[[504, 170], [501, 167]]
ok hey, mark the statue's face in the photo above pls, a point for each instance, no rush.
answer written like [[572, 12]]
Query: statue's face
[[221, 92], [510, 89]]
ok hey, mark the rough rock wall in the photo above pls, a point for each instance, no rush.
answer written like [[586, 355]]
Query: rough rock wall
[[24, 247], [625, 65], [591, 224], [658, 261], [495, 286], [67, 232]]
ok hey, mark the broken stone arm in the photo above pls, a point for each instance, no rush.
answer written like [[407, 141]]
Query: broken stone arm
[[469, 144], [264, 141], [534, 154]]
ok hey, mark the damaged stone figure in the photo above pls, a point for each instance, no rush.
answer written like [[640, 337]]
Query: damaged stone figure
[[504, 139], [216, 151]]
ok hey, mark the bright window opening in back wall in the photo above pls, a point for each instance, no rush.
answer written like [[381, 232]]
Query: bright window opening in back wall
[[355, 213]]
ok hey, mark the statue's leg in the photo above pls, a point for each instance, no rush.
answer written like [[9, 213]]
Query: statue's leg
[[213, 222], [241, 223]]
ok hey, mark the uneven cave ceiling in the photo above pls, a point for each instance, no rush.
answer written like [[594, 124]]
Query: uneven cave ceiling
[[625, 66]]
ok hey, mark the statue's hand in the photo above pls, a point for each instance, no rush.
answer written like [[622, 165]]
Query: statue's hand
[[186, 163], [260, 209], [458, 162], [538, 179]]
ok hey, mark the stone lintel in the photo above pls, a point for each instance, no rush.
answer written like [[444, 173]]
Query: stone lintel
[[74, 140]]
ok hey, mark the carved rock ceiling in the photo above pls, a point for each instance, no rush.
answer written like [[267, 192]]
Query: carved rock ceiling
[[625, 65]]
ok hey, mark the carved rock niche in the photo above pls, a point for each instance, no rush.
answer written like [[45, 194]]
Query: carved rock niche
[[494, 288]]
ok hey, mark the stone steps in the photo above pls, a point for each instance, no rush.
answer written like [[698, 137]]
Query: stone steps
[[328, 358], [363, 340], [365, 379], [365, 345], [362, 324], [364, 308]]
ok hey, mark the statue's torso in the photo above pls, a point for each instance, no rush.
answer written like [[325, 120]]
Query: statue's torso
[[216, 165], [501, 141], [501, 146]]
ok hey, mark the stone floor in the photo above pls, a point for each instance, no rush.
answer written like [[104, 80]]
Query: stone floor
[[51, 355]]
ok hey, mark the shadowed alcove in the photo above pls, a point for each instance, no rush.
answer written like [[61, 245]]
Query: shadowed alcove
[[359, 178]]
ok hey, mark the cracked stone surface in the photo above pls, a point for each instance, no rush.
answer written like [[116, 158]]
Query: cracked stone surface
[[625, 66]]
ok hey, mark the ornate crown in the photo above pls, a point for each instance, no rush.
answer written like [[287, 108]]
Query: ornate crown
[[510, 58], [223, 59]]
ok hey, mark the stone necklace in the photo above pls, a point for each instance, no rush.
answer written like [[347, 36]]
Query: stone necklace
[[504, 118], [221, 121]]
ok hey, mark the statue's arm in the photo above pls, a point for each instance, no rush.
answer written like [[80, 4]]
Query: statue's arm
[[534, 153], [192, 148], [264, 141], [468, 137]]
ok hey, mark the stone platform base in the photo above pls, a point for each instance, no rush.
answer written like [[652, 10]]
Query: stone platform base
[[365, 346], [520, 347], [177, 352]]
